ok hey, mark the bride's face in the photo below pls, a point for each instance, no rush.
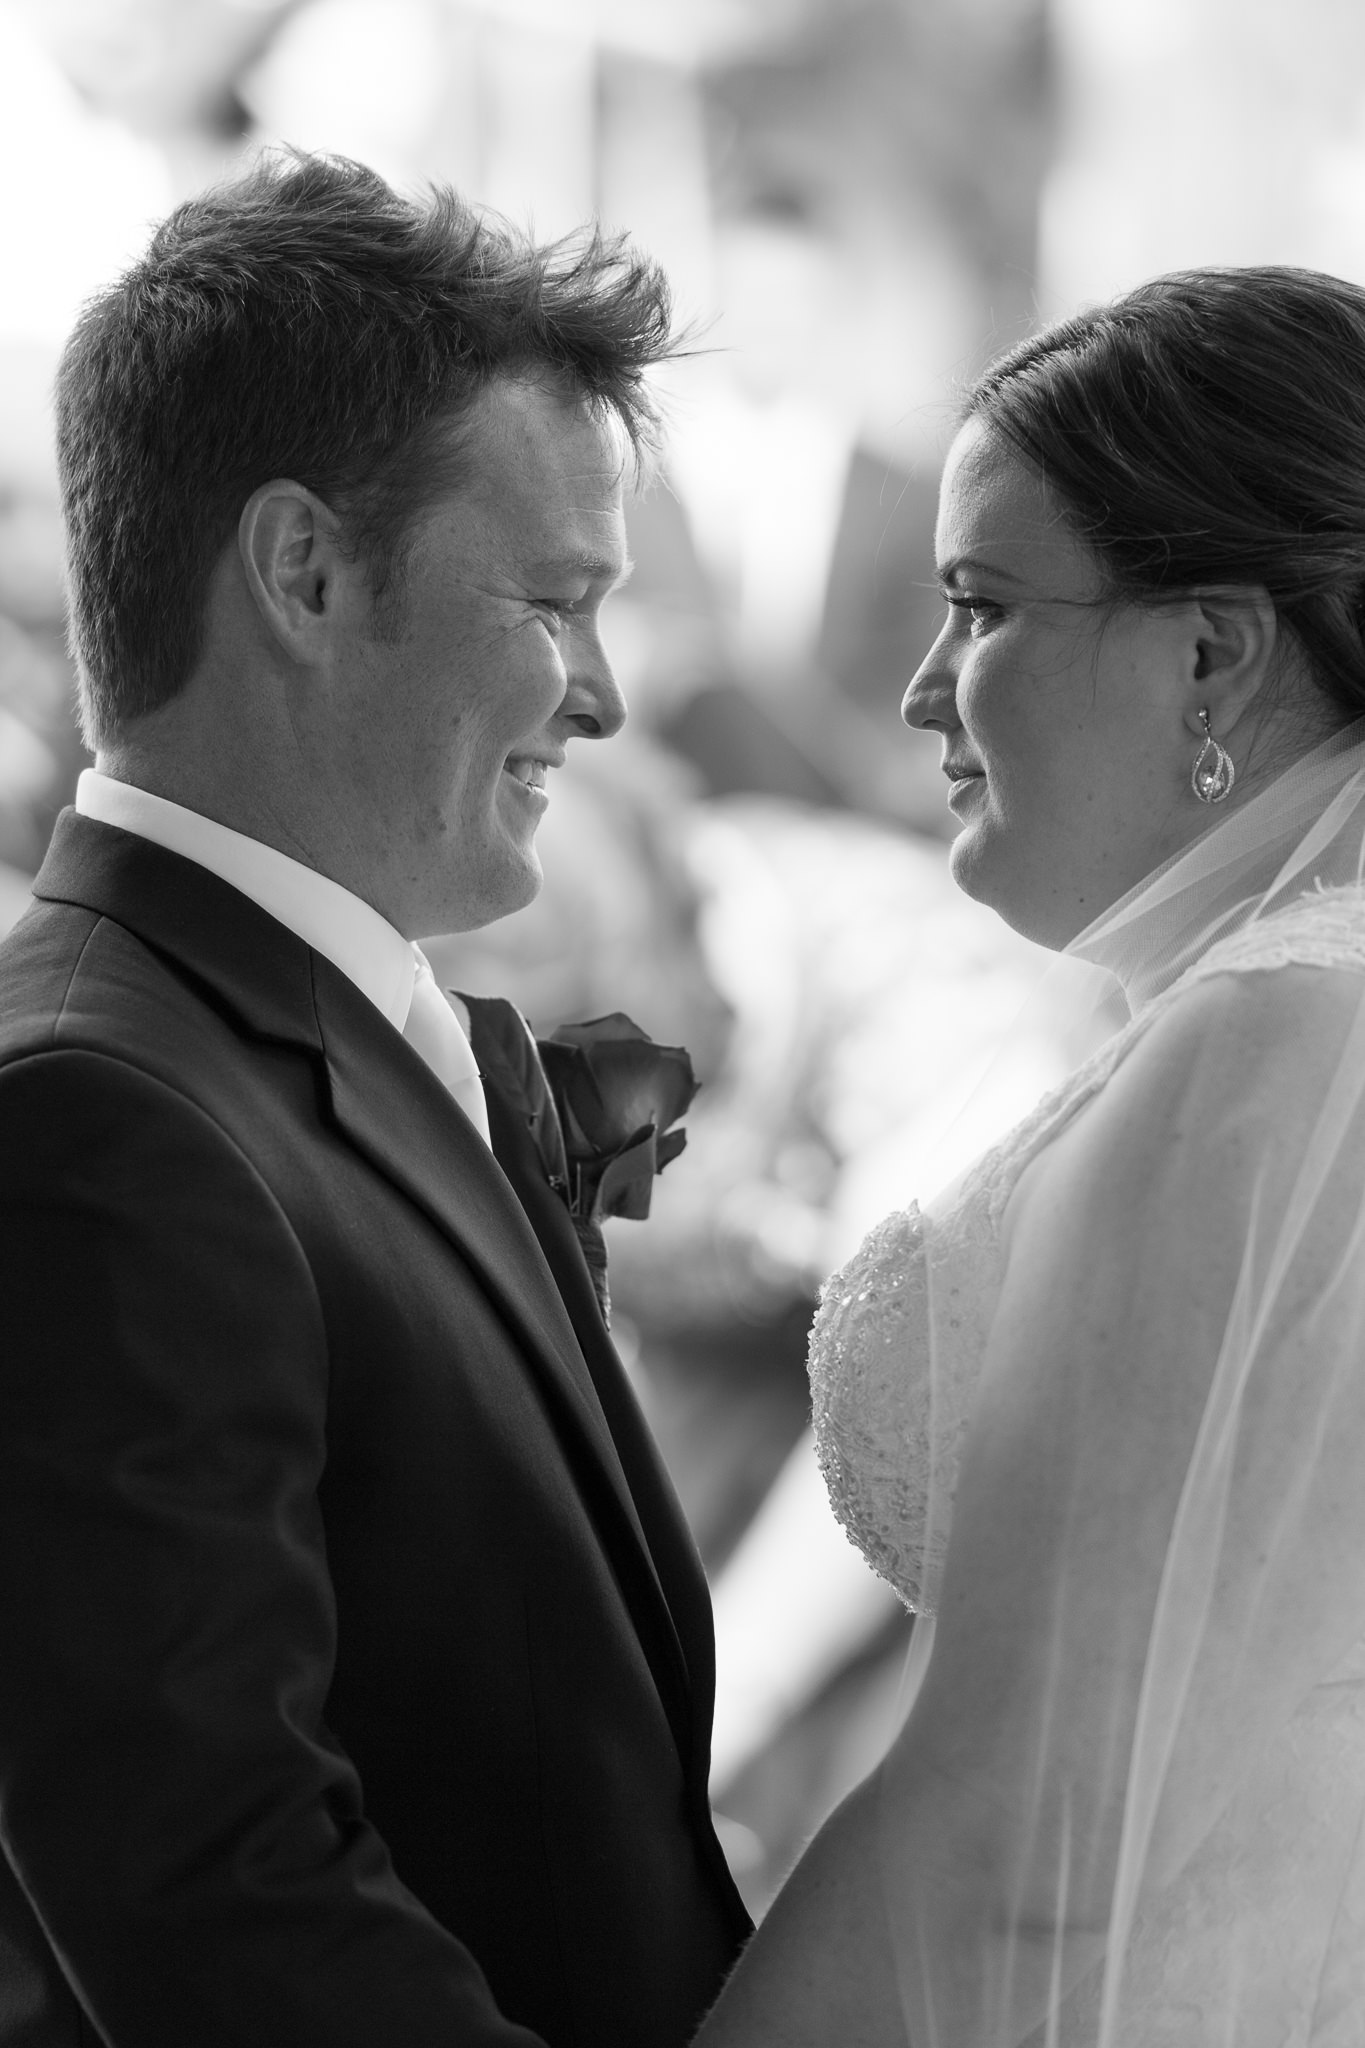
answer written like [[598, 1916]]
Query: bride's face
[[1064, 717]]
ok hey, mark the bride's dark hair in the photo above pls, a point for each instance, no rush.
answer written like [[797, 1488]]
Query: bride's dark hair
[[1209, 428]]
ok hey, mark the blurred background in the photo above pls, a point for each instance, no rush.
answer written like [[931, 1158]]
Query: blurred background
[[858, 201]]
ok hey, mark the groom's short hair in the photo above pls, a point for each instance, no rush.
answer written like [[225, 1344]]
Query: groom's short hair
[[308, 322]]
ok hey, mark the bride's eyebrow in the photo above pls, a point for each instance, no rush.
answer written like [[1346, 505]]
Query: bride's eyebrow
[[952, 573]]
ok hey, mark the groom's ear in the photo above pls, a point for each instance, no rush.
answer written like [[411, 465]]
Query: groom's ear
[[287, 543], [1237, 649]]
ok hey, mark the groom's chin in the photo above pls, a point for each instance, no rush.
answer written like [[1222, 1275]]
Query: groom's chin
[[514, 885]]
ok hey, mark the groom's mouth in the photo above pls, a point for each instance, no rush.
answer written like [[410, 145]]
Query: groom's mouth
[[528, 771]]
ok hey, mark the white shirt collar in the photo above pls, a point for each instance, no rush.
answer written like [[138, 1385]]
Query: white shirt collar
[[352, 935]]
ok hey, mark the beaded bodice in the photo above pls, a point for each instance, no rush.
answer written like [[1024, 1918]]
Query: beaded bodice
[[890, 1407]]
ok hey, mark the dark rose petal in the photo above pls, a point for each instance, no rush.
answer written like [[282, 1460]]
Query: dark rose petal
[[611, 1080], [582, 1112], [603, 1030], [626, 1182], [669, 1146]]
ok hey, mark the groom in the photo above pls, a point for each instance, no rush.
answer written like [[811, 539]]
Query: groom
[[356, 1668]]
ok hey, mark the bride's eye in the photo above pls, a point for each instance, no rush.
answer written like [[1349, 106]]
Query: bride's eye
[[982, 612]]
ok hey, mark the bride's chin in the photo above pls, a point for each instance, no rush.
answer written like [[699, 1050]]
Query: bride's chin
[[966, 862], [976, 866]]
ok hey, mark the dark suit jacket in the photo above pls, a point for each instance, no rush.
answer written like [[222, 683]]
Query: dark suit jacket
[[355, 1666]]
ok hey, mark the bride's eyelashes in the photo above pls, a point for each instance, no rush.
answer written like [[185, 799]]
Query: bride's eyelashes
[[982, 611]]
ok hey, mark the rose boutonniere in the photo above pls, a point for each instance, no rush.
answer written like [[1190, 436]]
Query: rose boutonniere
[[618, 1096], [600, 1101]]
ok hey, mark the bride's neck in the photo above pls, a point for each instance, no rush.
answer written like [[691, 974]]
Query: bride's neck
[[1302, 828]]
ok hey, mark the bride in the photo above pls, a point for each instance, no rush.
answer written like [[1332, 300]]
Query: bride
[[1099, 1414]]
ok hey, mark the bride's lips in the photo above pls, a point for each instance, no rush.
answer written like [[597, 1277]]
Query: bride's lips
[[961, 779]]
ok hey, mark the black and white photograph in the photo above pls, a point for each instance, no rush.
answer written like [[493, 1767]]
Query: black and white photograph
[[682, 1024]]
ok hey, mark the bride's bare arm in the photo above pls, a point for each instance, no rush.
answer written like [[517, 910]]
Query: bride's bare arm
[[1184, 1279]]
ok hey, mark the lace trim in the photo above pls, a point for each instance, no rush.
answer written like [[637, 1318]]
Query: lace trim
[[1322, 928], [863, 1348], [890, 1410]]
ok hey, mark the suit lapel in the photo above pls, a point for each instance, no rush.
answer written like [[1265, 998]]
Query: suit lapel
[[665, 1527], [395, 1112]]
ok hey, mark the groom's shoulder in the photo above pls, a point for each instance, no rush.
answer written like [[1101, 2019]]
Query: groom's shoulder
[[44, 958], [70, 974], [130, 946], [120, 1068], [83, 1034], [92, 1008]]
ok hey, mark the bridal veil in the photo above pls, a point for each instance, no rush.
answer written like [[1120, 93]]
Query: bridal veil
[[1186, 1721]]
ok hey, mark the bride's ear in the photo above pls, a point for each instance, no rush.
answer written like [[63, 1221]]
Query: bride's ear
[[1237, 645]]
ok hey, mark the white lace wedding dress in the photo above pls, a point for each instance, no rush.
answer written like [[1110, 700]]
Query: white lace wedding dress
[[1260, 1941]]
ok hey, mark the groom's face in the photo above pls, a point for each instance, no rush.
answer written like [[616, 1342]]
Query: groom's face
[[461, 712]]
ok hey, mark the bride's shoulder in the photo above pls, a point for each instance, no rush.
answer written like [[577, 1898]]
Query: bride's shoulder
[[1322, 928], [1245, 1034], [1267, 993], [1249, 1041]]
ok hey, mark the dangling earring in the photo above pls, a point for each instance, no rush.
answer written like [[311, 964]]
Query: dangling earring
[[1211, 779]]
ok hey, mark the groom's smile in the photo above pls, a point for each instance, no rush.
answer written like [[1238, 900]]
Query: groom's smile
[[509, 570]]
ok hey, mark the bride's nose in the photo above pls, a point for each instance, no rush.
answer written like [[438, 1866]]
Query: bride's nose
[[930, 703]]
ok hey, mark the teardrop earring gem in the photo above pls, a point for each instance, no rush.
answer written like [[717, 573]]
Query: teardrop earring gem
[[1213, 773]]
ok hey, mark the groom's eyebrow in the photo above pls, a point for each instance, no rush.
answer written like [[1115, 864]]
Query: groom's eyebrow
[[591, 568], [953, 572]]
